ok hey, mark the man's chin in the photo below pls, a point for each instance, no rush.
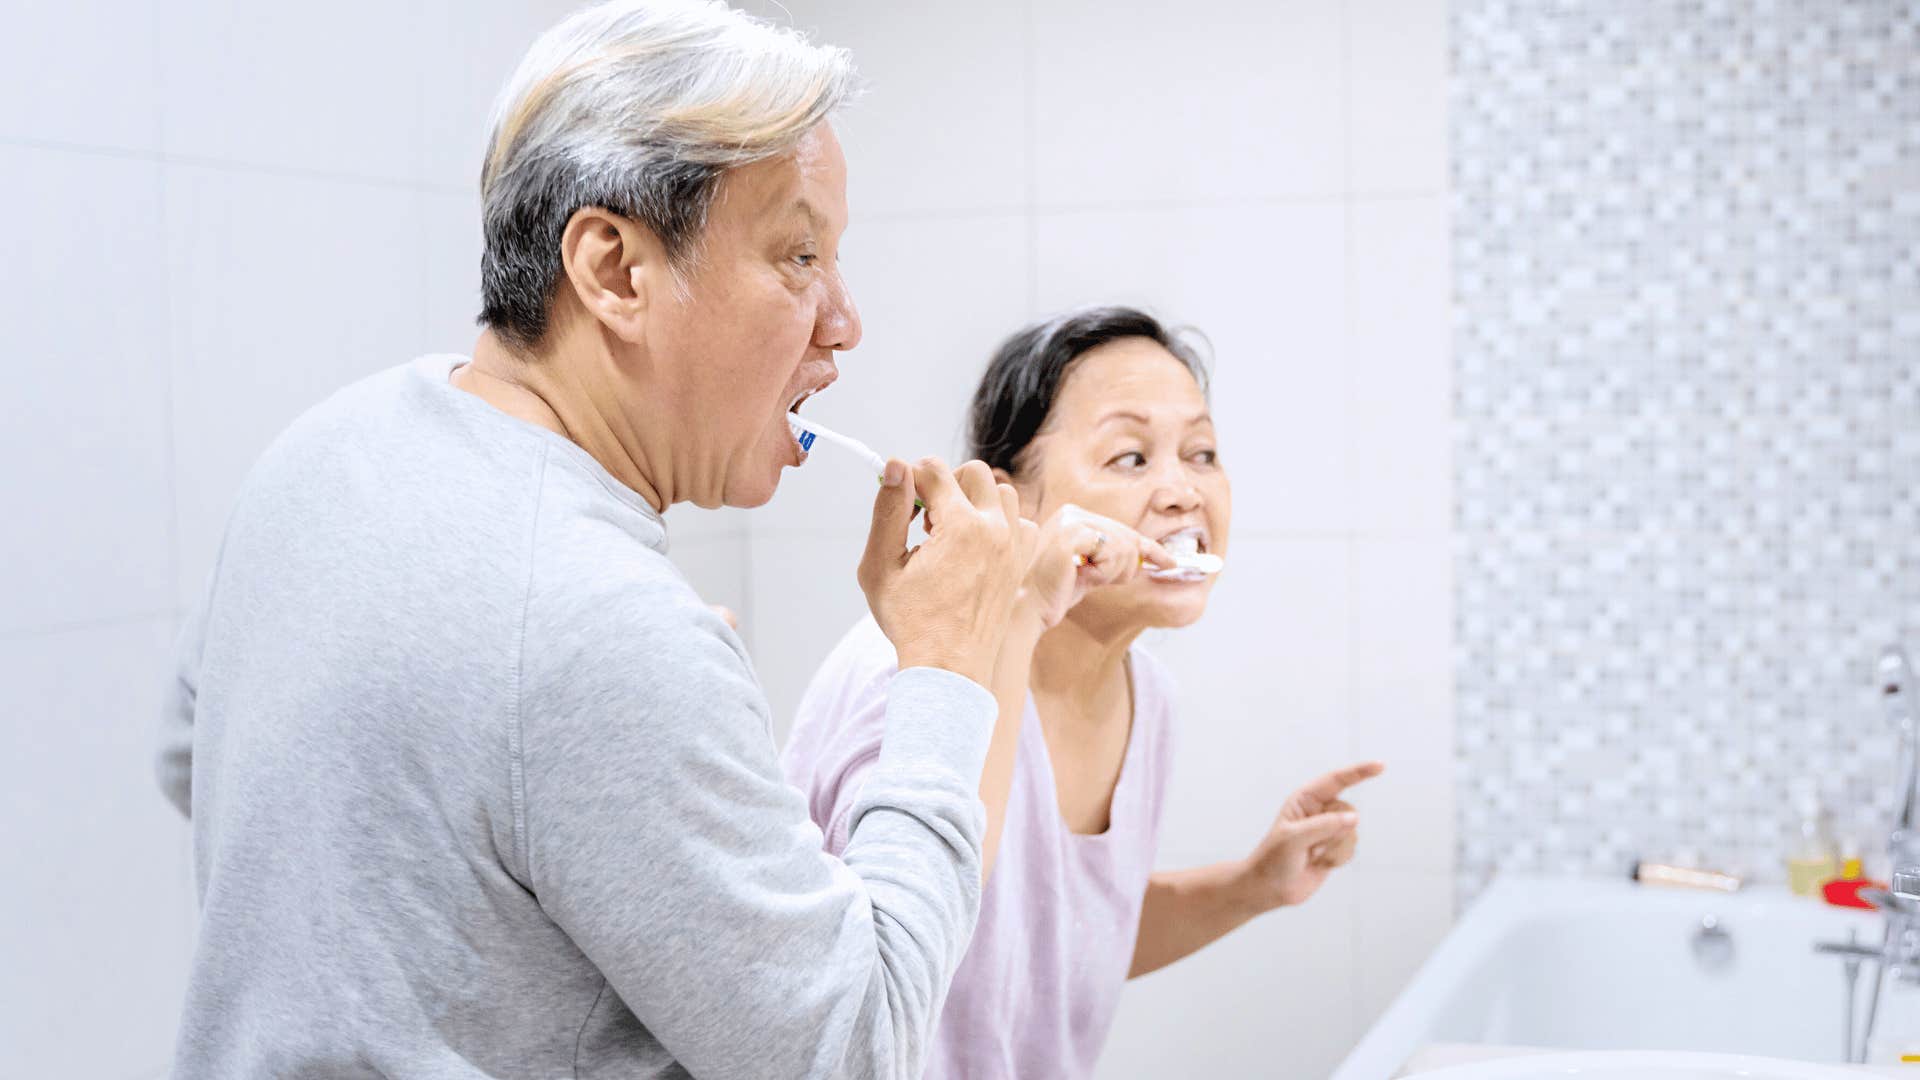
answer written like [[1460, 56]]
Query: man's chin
[[747, 493]]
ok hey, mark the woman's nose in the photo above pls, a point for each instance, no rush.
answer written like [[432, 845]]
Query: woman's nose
[[838, 325], [1176, 492]]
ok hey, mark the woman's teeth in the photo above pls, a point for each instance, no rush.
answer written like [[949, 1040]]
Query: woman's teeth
[[1182, 544]]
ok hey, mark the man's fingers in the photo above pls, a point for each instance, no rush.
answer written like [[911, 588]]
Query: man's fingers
[[976, 480], [1009, 502], [892, 516], [938, 489]]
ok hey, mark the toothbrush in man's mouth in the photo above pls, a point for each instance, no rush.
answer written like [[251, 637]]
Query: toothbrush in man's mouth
[[806, 430]]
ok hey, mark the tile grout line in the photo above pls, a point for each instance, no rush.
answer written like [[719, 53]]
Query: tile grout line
[[244, 168], [170, 454], [1030, 119], [22, 633]]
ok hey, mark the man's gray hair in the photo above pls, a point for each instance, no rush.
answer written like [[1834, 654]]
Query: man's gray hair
[[636, 106]]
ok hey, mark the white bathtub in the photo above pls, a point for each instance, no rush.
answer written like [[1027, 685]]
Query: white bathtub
[[1610, 965]]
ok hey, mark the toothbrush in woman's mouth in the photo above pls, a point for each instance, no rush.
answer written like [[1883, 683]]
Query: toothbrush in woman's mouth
[[1190, 563]]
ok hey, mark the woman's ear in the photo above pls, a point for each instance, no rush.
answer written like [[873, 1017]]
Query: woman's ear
[[1002, 476], [611, 264]]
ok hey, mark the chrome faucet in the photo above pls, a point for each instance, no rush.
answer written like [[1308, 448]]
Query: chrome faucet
[[1895, 678], [1897, 957]]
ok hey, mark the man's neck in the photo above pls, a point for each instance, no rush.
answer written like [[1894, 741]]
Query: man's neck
[[559, 391]]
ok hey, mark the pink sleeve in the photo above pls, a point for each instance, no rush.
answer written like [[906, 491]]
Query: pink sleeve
[[838, 728]]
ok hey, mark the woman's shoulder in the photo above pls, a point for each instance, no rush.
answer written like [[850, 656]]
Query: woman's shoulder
[[852, 680], [841, 719], [1154, 692]]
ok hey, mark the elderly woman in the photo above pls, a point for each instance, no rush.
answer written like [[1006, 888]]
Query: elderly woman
[[1099, 419], [479, 787]]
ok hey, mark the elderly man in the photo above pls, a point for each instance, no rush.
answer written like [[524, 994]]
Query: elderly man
[[479, 786]]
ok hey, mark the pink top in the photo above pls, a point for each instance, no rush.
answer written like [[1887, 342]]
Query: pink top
[[1036, 992]]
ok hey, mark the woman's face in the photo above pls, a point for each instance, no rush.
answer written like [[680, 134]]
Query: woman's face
[[1129, 437], [755, 324]]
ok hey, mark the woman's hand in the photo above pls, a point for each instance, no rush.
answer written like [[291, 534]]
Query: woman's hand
[[946, 603], [1315, 832], [1076, 552]]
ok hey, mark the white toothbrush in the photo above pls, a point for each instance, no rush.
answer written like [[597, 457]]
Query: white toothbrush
[[805, 430], [1197, 563], [1200, 563]]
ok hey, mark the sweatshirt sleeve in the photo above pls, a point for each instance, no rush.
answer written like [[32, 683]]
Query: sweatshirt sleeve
[[661, 836]]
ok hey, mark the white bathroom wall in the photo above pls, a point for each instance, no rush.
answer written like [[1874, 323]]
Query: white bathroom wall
[[219, 212], [225, 210], [1274, 174]]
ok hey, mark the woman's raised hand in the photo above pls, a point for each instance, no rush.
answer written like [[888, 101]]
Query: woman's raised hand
[[946, 603], [1078, 551], [1315, 832]]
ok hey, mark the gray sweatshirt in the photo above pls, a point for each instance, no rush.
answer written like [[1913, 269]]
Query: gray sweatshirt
[[480, 787]]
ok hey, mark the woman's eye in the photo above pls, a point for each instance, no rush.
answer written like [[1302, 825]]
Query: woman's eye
[[1207, 457], [1132, 459]]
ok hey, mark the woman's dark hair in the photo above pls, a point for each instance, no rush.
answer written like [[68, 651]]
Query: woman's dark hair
[[1026, 372]]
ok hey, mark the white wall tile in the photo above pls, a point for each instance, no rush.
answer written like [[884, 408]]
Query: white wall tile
[[450, 235], [1399, 472], [333, 88], [717, 567], [804, 598], [1262, 693], [84, 72], [470, 49], [1262, 708], [1400, 917], [1269, 1000], [85, 413], [942, 124], [282, 291], [1137, 101], [1266, 286], [935, 297], [1397, 95], [1400, 637], [96, 923]]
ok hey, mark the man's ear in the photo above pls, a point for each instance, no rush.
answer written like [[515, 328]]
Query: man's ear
[[611, 264]]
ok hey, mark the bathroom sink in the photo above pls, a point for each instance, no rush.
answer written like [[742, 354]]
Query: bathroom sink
[[1639, 1065]]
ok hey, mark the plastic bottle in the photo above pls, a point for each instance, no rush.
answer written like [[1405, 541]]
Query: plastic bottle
[[1810, 862]]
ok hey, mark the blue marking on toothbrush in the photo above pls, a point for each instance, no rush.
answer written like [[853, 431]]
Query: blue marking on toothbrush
[[806, 440]]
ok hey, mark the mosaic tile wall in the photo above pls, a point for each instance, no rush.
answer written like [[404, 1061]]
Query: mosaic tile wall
[[1686, 241]]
